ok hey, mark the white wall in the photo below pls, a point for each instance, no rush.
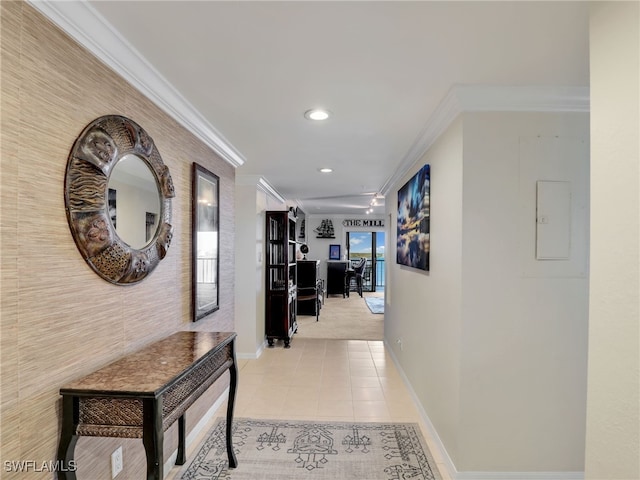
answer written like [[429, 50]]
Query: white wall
[[251, 203], [494, 348], [423, 309], [247, 270], [613, 419], [524, 321]]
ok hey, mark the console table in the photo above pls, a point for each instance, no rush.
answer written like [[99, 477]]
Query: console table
[[144, 393]]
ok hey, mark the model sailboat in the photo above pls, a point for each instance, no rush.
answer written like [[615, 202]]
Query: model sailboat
[[325, 230]]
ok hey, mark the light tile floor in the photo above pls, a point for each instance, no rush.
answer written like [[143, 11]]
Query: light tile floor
[[353, 380]]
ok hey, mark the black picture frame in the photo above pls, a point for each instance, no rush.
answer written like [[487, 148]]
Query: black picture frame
[[334, 252], [205, 238]]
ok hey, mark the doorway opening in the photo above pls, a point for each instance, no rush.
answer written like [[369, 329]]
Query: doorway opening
[[369, 245]]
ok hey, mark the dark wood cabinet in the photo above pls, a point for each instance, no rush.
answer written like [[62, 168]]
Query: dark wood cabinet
[[309, 287], [336, 271], [281, 277]]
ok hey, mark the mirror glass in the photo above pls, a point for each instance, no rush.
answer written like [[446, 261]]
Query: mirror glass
[[206, 241], [134, 201]]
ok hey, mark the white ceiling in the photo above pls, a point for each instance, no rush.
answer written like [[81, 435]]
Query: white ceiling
[[251, 69]]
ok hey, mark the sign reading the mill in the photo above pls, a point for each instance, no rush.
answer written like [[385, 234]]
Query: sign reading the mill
[[360, 222]]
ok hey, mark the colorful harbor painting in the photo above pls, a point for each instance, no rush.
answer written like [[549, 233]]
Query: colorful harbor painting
[[413, 221]]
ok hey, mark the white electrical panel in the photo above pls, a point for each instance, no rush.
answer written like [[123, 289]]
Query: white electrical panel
[[553, 222]]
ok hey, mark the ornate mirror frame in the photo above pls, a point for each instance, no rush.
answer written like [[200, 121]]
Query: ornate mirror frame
[[94, 154]]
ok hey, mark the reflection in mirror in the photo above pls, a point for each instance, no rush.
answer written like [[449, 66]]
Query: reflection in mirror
[[134, 201], [301, 235], [205, 242]]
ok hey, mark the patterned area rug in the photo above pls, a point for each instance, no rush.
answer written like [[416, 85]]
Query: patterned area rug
[[286, 450], [375, 304]]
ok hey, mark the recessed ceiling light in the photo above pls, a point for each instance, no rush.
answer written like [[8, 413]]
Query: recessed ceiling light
[[316, 114], [325, 170]]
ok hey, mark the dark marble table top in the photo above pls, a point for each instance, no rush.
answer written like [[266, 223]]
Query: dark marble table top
[[147, 371]]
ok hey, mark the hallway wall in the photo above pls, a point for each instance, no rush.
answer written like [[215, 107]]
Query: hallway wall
[[423, 309], [493, 341], [613, 401], [252, 201], [59, 319]]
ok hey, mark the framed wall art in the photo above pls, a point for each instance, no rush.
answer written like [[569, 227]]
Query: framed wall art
[[413, 242], [334, 252]]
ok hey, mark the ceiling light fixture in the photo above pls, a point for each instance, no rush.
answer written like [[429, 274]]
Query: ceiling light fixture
[[316, 114], [325, 170]]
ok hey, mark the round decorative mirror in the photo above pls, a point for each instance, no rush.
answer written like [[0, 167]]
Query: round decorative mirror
[[118, 200]]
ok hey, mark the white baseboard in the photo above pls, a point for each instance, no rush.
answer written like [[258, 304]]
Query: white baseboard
[[247, 356], [442, 451], [252, 356], [195, 432], [519, 476], [448, 464]]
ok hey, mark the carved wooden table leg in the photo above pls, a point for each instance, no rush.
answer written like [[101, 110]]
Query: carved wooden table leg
[[153, 437], [68, 438], [233, 384], [181, 457]]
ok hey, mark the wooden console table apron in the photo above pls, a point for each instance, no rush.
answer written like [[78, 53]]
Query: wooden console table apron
[[143, 394]]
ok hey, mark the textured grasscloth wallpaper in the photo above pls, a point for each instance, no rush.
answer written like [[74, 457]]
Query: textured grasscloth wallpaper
[[59, 319]]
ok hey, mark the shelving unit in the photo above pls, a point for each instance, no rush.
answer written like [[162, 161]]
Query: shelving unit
[[281, 277]]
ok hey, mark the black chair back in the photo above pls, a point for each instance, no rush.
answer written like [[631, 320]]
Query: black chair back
[[359, 267]]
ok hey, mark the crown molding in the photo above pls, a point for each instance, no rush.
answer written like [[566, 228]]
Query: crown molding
[[484, 98], [261, 184], [269, 190], [445, 113], [85, 25]]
